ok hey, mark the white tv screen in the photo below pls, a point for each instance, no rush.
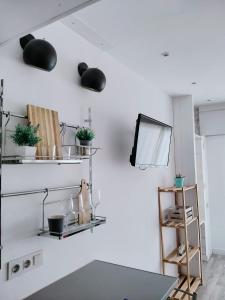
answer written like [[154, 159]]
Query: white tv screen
[[151, 143]]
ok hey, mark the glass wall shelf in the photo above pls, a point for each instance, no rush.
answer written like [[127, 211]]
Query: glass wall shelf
[[83, 152], [15, 160], [73, 229]]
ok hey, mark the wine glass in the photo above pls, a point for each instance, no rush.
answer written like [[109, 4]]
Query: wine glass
[[95, 201], [66, 152], [69, 212]]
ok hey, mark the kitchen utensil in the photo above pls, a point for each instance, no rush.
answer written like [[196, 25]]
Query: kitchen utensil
[[84, 203], [49, 130]]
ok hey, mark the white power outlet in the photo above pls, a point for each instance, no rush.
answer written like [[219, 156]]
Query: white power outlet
[[24, 264], [14, 268]]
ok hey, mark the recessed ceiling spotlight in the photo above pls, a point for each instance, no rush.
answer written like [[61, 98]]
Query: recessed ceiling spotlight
[[165, 54], [209, 100], [194, 82]]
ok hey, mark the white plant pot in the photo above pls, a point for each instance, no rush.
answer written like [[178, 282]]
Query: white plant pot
[[26, 151]]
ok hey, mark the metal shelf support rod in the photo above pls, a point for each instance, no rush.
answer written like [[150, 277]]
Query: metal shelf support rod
[[40, 191], [8, 113], [89, 121]]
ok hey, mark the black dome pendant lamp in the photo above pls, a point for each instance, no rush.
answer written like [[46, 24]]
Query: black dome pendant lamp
[[91, 78], [38, 53]]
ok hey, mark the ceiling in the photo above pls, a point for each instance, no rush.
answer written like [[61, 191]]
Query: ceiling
[[19, 17], [136, 32]]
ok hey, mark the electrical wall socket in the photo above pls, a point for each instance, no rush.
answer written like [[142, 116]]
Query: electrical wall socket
[[18, 266]]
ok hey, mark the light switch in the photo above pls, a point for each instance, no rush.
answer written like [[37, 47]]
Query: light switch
[[38, 259]]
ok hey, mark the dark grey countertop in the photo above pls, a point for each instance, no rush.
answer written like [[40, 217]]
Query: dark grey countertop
[[106, 281]]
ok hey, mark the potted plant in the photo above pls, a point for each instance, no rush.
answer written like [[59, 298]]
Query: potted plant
[[26, 138], [179, 180], [85, 136]]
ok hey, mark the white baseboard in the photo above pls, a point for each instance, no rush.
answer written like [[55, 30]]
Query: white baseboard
[[218, 251], [206, 257]]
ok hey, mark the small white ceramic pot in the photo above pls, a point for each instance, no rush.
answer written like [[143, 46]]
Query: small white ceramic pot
[[26, 151]]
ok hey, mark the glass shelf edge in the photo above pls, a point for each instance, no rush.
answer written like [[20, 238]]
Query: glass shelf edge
[[42, 161], [78, 229]]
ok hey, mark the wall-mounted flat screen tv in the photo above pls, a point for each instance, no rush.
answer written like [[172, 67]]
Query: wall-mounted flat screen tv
[[151, 143]]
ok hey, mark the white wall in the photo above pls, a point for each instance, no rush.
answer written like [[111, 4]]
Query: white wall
[[212, 125], [212, 119], [184, 138], [129, 196], [184, 133], [216, 166], [189, 160], [203, 195]]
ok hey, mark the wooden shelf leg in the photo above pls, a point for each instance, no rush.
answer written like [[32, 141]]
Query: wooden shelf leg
[[186, 243], [161, 233], [177, 230], [199, 235]]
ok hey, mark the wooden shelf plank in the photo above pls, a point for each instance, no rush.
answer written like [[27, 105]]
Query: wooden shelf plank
[[183, 285], [194, 286], [172, 224], [192, 253], [181, 279], [173, 189], [174, 258], [177, 225]]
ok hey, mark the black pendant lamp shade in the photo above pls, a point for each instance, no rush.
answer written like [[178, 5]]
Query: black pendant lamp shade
[[91, 78], [38, 53]]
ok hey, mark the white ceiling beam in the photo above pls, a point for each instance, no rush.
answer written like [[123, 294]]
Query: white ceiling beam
[[20, 17]]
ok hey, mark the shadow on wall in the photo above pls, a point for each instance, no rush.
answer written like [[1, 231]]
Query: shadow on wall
[[121, 140]]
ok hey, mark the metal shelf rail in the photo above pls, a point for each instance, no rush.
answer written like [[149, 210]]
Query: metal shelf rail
[[9, 114]]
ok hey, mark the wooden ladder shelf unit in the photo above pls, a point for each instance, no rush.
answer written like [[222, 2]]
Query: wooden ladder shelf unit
[[186, 281]]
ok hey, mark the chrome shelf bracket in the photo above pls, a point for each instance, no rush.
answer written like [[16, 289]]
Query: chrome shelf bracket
[[43, 209]]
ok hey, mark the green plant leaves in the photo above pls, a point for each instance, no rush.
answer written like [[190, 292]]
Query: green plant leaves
[[85, 134], [26, 135]]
